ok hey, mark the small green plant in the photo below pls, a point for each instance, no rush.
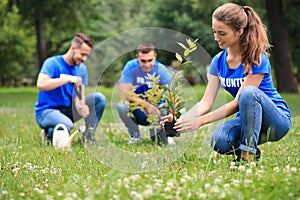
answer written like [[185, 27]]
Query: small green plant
[[171, 94]]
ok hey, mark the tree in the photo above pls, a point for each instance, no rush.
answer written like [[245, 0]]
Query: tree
[[16, 44], [53, 20], [283, 63]]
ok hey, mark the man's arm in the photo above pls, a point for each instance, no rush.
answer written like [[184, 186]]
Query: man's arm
[[46, 83]]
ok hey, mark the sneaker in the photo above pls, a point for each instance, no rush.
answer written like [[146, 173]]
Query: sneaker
[[45, 140], [88, 137], [134, 140], [256, 157], [171, 141]]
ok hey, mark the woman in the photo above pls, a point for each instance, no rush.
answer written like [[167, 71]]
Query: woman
[[244, 70]]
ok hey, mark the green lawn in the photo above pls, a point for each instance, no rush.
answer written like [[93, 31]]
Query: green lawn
[[115, 170]]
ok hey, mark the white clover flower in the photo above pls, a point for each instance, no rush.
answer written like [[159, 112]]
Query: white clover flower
[[236, 182], [38, 190], [242, 168], [215, 189], [252, 164], [222, 195], [207, 186], [277, 169], [293, 169], [4, 192], [218, 180], [59, 193], [249, 172], [15, 171], [167, 189], [247, 182], [116, 197], [148, 192]]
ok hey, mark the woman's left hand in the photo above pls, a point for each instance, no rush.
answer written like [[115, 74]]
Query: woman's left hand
[[184, 125]]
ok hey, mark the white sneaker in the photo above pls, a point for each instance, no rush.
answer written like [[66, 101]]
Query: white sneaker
[[134, 140], [43, 136], [171, 141]]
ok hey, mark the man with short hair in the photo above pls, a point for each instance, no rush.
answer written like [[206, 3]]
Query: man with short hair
[[133, 74], [58, 79]]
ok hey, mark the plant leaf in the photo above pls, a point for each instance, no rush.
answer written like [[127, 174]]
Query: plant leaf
[[182, 45], [178, 57]]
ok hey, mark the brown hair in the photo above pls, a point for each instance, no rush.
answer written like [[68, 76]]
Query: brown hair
[[145, 48], [81, 38], [254, 40]]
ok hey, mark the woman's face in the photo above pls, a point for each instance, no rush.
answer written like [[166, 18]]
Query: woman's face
[[224, 35]]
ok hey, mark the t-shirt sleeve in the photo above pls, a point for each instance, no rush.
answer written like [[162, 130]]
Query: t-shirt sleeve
[[264, 67], [83, 72], [48, 68], [213, 69], [126, 76], [165, 74]]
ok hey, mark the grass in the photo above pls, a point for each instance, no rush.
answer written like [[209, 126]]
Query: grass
[[115, 170]]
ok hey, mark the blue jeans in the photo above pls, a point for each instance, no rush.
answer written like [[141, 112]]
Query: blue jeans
[[260, 121], [132, 124], [49, 118]]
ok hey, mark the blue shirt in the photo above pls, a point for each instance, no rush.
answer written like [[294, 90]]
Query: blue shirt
[[134, 75], [62, 96], [232, 79]]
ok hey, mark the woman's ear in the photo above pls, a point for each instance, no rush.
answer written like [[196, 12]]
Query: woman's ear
[[241, 31]]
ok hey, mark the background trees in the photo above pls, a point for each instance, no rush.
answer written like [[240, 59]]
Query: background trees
[[32, 30]]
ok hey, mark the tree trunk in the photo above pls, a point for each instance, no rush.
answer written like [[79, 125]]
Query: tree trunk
[[41, 41], [281, 53]]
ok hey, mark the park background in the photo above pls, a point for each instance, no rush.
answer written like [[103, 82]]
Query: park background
[[33, 30]]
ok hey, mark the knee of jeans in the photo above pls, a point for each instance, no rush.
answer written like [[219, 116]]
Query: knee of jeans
[[100, 99], [121, 108], [247, 92], [217, 143]]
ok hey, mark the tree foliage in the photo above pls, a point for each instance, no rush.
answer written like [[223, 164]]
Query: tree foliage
[[16, 43], [50, 25]]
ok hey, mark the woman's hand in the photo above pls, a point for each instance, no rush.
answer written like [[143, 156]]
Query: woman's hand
[[184, 125]]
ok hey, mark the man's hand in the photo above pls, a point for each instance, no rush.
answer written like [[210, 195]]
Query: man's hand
[[72, 79], [150, 109], [83, 111]]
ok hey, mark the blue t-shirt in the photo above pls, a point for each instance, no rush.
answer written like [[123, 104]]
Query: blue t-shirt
[[232, 79], [134, 75], [62, 96]]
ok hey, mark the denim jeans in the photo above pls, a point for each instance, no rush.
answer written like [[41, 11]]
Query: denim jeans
[[132, 124], [49, 118], [260, 121]]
